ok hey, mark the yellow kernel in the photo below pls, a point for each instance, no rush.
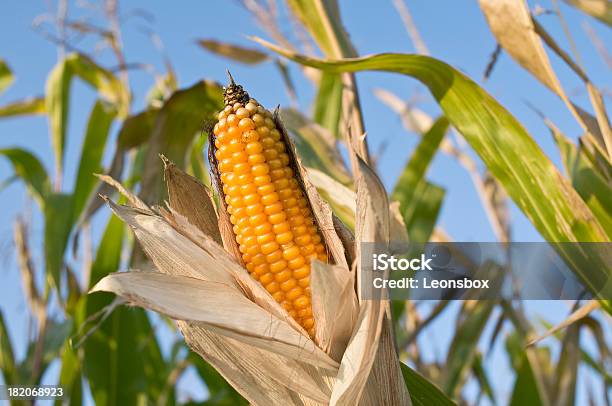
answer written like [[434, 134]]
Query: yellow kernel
[[304, 313], [246, 124], [302, 239], [277, 174], [269, 198], [250, 199], [307, 249], [261, 230], [274, 257], [288, 285], [265, 189], [264, 132], [271, 154], [257, 219], [304, 282], [262, 180], [265, 238], [258, 119], [274, 208], [277, 218], [244, 179], [278, 296], [248, 189], [259, 169], [242, 168], [261, 269], [242, 113], [251, 107], [302, 272], [281, 227], [236, 106], [255, 209], [284, 238], [278, 266], [250, 136], [301, 302], [294, 293], [291, 252], [269, 247], [283, 276], [266, 278], [308, 324], [267, 142], [254, 148], [256, 159], [275, 134], [259, 259], [297, 263], [232, 120], [285, 193], [275, 164]]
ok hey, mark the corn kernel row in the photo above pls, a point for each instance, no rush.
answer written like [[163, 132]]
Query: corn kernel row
[[272, 221]]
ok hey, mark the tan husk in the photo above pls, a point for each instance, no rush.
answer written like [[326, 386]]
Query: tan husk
[[230, 320]]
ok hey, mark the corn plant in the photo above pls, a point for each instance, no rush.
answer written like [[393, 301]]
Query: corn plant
[[249, 223]]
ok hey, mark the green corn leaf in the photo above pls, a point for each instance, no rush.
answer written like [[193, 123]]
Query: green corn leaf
[[423, 392], [317, 148], [137, 129], [122, 360], [58, 213], [328, 103], [31, 106], [6, 76], [463, 348], [420, 200], [30, 170], [57, 96], [70, 376], [585, 178], [509, 152], [182, 118], [7, 356], [98, 127]]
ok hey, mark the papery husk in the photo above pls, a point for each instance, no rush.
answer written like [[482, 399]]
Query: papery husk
[[190, 198], [268, 373]]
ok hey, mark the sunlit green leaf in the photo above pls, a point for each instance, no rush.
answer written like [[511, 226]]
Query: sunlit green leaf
[[70, 376], [30, 170], [6, 76], [58, 209], [31, 106], [422, 392], [7, 356], [328, 103], [511, 155], [587, 181], [97, 133], [57, 105], [234, 52], [420, 200], [464, 346], [137, 129], [183, 117], [316, 147], [122, 361]]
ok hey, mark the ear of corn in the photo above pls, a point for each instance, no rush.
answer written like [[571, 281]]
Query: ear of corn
[[272, 221]]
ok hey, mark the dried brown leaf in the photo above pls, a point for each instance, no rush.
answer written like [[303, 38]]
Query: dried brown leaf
[[190, 198], [219, 307], [334, 305]]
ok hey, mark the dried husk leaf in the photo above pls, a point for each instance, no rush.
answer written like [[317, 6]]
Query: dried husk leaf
[[132, 198], [398, 233], [189, 197], [210, 256], [322, 212], [169, 249], [219, 307], [516, 31], [372, 225], [334, 305], [337, 192]]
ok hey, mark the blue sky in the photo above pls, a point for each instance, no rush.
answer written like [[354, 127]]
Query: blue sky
[[454, 31]]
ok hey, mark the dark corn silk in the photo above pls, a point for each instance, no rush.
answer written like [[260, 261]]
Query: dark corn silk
[[272, 221]]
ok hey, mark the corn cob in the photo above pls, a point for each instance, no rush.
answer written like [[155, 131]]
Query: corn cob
[[272, 221]]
